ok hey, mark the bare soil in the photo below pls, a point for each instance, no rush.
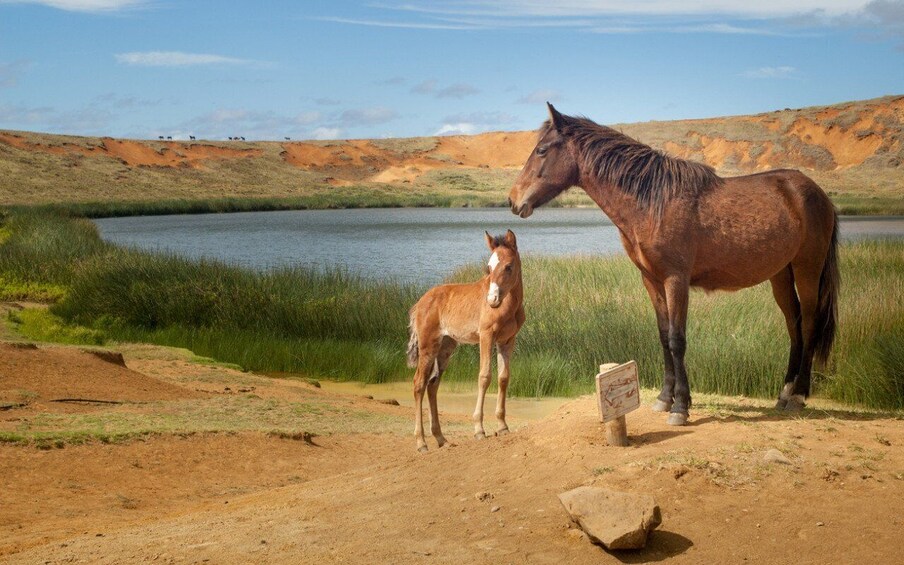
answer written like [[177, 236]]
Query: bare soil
[[368, 497]]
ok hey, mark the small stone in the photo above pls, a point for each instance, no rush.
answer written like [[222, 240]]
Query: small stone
[[390, 401], [494, 509], [617, 520], [576, 533], [484, 496], [820, 523], [776, 456]]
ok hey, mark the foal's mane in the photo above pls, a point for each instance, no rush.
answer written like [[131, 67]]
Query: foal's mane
[[499, 241], [651, 176]]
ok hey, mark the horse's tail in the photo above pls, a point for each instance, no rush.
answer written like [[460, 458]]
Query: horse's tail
[[412, 340], [827, 304]]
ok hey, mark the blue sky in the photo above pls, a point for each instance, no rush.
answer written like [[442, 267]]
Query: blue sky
[[336, 69]]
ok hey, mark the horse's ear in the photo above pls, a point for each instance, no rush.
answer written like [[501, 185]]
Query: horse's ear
[[491, 243], [555, 117], [510, 239]]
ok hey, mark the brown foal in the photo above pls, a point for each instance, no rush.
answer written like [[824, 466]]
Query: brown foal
[[683, 226], [486, 312]]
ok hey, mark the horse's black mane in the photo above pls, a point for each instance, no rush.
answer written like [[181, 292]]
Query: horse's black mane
[[651, 176]]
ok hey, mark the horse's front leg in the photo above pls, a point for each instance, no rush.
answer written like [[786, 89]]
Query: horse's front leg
[[504, 353], [676, 296], [656, 291], [483, 382]]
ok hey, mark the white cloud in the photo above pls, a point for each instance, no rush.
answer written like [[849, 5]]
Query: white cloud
[[461, 128], [603, 8], [458, 90], [540, 96], [407, 25], [770, 72], [425, 87], [367, 116], [326, 133], [10, 72], [177, 59], [83, 5]]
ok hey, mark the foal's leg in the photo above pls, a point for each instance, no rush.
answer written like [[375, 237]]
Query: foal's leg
[[442, 360], [807, 279], [657, 297], [483, 383], [786, 298], [425, 364], [676, 296], [503, 354]]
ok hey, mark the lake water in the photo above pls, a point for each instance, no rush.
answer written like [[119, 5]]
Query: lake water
[[417, 245]]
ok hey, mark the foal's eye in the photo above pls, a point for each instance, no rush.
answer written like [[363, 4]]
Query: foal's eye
[[541, 151], [508, 268]]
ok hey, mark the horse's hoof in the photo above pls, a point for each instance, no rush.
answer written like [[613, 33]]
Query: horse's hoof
[[441, 441], [661, 406], [795, 403], [677, 419], [781, 403], [480, 435], [502, 431], [422, 449]]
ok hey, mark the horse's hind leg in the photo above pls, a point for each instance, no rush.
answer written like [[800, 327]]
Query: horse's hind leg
[[786, 298], [663, 403], [447, 347], [425, 364], [806, 277]]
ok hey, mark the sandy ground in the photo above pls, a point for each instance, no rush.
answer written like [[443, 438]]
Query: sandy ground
[[370, 498]]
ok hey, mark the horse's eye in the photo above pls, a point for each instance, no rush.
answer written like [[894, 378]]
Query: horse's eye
[[508, 268], [541, 151]]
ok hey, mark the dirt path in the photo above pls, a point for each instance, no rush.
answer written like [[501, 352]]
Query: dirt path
[[253, 497]]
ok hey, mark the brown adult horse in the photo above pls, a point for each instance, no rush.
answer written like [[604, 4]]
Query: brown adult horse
[[486, 312], [682, 226]]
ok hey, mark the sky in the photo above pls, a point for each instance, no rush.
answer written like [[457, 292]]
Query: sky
[[330, 69]]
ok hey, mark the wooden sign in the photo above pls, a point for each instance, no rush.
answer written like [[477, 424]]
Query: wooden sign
[[617, 390]]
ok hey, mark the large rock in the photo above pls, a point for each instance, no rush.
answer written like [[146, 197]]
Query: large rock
[[617, 520]]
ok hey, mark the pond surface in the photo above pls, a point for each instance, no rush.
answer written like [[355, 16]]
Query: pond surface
[[420, 245]]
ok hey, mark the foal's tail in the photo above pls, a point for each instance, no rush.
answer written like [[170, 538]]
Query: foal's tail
[[827, 306], [412, 340]]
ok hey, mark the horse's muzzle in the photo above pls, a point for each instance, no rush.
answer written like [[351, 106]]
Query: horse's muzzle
[[524, 209]]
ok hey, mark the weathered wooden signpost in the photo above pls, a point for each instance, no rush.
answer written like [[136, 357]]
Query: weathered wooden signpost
[[618, 393]]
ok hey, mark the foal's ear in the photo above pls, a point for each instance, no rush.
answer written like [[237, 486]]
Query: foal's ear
[[510, 239], [491, 243], [555, 117]]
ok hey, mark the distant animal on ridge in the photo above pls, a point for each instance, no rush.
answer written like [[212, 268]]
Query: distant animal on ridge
[[487, 312], [191, 137], [288, 138]]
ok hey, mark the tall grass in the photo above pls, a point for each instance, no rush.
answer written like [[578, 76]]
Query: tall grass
[[581, 311]]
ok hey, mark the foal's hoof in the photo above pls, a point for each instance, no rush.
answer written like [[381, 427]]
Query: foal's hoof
[[441, 441], [677, 419], [480, 435], [502, 432], [422, 449], [781, 403], [661, 406], [795, 403]]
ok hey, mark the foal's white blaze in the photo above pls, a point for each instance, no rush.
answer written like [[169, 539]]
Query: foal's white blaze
[[494, 260], [493, 294]]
